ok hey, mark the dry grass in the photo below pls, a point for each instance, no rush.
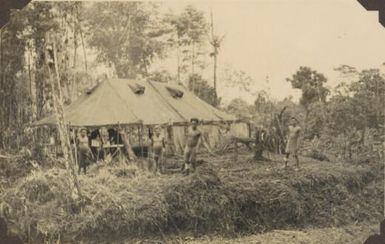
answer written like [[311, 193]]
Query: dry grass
[[223, 196]]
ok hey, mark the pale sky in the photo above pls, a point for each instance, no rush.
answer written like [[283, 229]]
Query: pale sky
[[274, 37]]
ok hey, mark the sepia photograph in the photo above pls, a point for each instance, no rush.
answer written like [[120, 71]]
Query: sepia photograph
[[197, 122]]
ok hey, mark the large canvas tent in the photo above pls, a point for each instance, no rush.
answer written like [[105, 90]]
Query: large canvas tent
[[127, 102], [122, 101]]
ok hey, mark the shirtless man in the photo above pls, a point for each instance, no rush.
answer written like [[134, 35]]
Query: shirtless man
[[193, 137], [85, 154], [292, 143], [158, 146]]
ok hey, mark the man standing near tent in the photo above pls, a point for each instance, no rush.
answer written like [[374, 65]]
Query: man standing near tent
[[193, 137], [158, 145], [292, 142], [85, 154]]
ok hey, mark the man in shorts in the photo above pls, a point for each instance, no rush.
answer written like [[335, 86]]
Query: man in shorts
[[85, 154], [158, 145], [193, 137], [292, 142]]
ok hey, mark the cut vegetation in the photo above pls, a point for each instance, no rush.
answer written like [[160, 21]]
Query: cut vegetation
[[222, 197]]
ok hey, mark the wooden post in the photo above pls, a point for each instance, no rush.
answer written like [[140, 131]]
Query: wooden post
[[170, 139], [118, 142], [140, 139], [76, 147], [235, 150], [127, 144]]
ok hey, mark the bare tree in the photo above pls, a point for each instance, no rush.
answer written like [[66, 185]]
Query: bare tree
[[215, 42]]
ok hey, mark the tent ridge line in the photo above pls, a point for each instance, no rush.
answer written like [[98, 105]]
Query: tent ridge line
[[99, 98], [165, 100], [108, 81]]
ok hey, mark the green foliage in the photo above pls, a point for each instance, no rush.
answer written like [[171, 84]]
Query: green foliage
[[11, 68], [341, 110], [263, 103], [190, 31], [24, 75], [289, 108], [161, 76], [203, 90], [369, 96], [361, 105], [241, 109], [311, 83], [355, 109], [130, 36], [23, 35], [127, 35], [190, 25], [237, 79], [341, 123], [313, 98]]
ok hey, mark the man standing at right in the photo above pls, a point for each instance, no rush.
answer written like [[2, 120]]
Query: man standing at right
[[193, 138], [292, 142]]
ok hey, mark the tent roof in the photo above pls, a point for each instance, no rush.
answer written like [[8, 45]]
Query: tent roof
[[122, 101]]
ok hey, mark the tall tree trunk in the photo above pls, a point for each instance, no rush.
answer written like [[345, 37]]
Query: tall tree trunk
[[74, 81], [1, 92], [67, 83], [306, 120], [193, 82], [215, 52], [178, 62], [215, 76], [84, 49], [193, 58], [81, 38], [30, 83], [322, 104], [61, 122], [39, 77], [145, 69]]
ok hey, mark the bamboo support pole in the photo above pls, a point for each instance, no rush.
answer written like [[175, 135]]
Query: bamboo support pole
[[60, 119]]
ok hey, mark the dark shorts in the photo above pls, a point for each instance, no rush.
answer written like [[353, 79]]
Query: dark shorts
[[157, 153], [189, 154], [85, 156]]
